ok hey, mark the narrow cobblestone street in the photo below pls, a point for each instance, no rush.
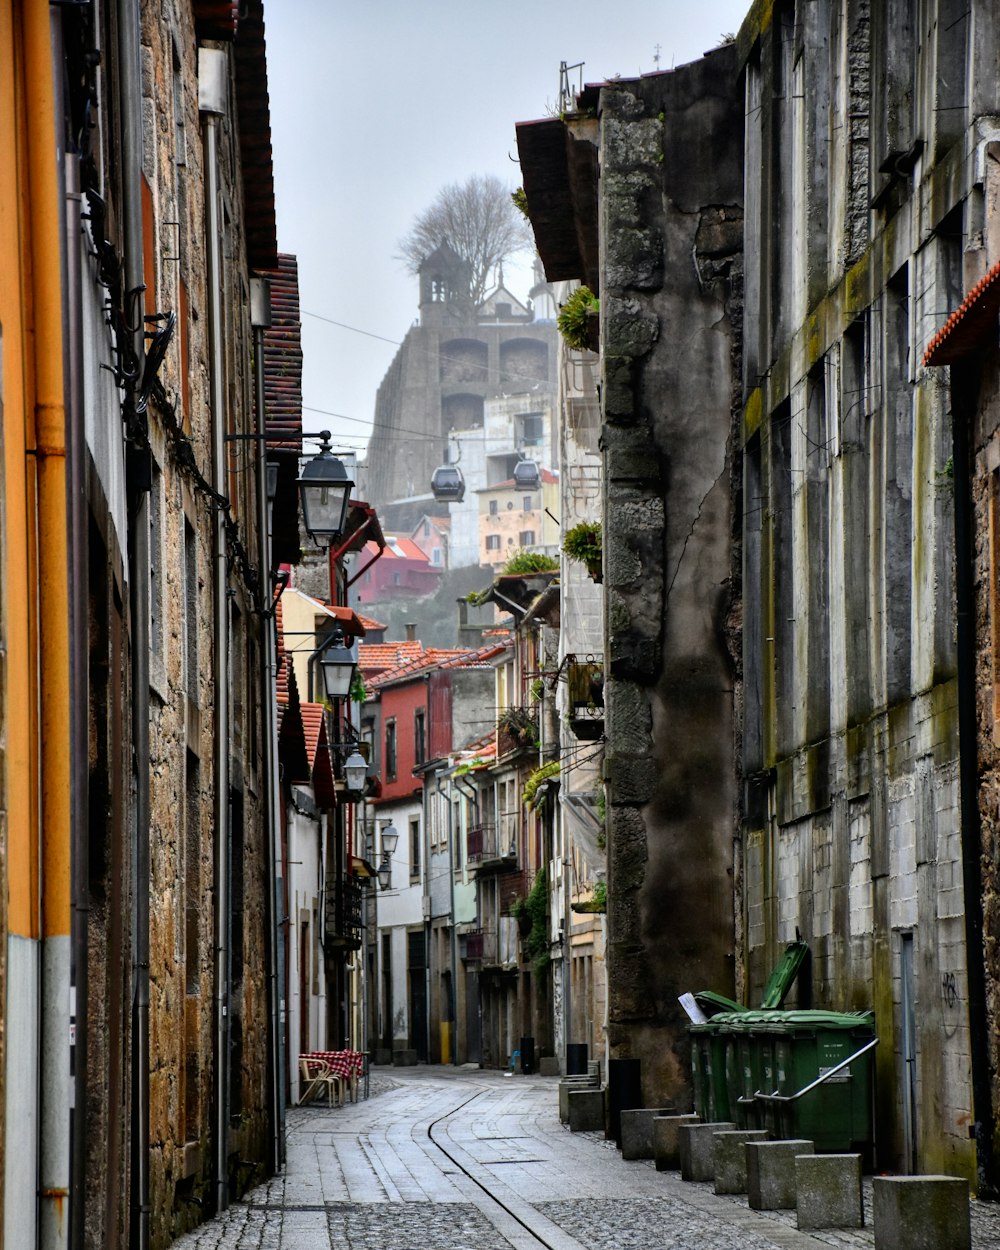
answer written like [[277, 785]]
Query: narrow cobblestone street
[[467, 1160]]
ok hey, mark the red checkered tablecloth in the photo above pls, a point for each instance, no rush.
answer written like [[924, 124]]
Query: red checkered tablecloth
[[345, 1063]]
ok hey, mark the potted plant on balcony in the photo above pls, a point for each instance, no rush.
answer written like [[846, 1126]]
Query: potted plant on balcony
[[583, 543]]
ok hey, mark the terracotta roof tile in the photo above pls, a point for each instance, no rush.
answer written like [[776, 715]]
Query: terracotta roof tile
[[972, 323], [370, 623]]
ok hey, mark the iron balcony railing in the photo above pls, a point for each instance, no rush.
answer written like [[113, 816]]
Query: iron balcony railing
[[489, 846]]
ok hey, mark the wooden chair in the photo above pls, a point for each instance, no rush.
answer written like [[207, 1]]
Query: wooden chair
[[314, 1077]]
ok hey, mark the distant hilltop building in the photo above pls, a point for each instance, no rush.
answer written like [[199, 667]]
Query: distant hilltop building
[[457, 361]]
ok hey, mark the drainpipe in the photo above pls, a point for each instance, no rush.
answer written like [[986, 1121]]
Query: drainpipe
[[78, 608], [47, 431], [963, 414], [138, 551], [212, 94], [260, 316]]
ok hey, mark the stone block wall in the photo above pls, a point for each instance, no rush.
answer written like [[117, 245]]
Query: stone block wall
[[670, 203]]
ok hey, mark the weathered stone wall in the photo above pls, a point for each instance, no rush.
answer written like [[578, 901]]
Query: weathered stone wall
[[671, 290], [851, 730], [183, 728]]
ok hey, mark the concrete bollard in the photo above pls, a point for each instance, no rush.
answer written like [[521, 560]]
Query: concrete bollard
[[637, 1131], [730, 1158], [921, 1213], [586, 1110], [697, 1149], [666, 1147], [828, 1191], [771, 1173], [566, 1086]]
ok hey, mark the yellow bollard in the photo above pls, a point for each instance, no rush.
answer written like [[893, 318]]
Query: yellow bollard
[[445, 1041]]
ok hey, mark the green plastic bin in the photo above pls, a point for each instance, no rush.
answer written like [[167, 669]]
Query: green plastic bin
[[836, 1115], [749, 1066], [708, 1063]]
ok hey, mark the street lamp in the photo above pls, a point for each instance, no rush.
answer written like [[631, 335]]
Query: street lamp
[[325, 489], [338, 663], [355, 773], [389, 839], [384, 874]]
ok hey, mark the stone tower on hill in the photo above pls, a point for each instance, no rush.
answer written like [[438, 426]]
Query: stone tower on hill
[[454, 359]]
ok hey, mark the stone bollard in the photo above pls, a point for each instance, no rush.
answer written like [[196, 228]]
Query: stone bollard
[[771, 1173], [566, 1086], [730, 1158], [921, 1213], [697, 1149], [666, 1146], [828, 1191], [637, 1131], [586, 1110]]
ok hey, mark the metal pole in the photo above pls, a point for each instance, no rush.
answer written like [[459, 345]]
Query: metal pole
[[260, 299], [212, 70]]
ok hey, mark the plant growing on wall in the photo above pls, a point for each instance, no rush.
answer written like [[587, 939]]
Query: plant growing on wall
[[519, 724], [530, 795], [583, 543], [531, 562], [577, 319], [535, 909], [358, 690]]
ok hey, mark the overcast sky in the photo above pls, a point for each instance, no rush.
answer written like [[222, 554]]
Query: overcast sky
[[375, 106]]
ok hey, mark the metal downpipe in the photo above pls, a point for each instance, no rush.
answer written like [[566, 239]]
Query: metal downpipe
[[260, 295], [220, 667], [79, 696], [129, 32]]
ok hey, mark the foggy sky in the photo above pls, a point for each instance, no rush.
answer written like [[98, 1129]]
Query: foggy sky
[[375, 106]]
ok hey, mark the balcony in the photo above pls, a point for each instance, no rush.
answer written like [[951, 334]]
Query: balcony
[[491, 947], [585, 679], [517, 730], [344, 916], [491, 849]]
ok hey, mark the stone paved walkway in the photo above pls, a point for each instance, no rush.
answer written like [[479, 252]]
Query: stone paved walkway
[[446, 1159]]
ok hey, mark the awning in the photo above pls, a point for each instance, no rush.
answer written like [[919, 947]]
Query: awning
[[971, 325], [360, 867]]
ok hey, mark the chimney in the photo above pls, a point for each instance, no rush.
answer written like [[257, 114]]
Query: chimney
[[411, 630]]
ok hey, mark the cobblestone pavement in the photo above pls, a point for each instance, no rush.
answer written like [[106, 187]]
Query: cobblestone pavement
[[458, 1159]]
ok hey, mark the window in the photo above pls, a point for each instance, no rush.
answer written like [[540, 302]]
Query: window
[[526, 503], [526, 538], [531, 426], [414, 849], [419, 736], [427, 529], [390, 749], [436, 555], [494, 507], [492, 542]]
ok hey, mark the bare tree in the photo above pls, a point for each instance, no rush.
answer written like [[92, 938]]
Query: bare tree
[[478, 218]]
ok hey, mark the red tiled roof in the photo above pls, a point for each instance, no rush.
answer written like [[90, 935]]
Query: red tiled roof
[[254, 113], [438, 657], [215, 19], [972, 323], [370, 623], [374, 657], [313, 727], [546, 475], [283, 358], [400, 548]]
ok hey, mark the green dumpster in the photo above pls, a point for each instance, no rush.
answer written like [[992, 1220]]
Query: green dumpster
[[745, 1066], [836, 1114], [708, 1066]]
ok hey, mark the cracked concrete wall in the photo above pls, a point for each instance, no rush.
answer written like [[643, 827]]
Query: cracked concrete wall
[[671, 311]]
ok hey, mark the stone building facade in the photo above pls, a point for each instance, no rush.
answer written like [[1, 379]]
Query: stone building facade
[[453, 360], [657, 234], [864, 198], [155, 1102]]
